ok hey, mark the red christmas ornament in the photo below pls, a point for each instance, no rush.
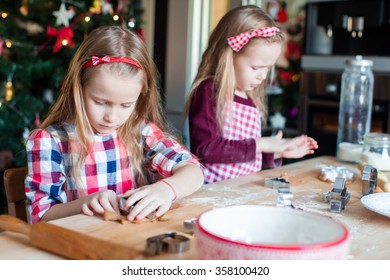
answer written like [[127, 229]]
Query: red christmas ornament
[[141, 33], [286, 77], [65, 34], [282, 14]]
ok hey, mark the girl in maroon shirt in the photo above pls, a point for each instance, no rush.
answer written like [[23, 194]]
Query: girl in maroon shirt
[[226, 105]]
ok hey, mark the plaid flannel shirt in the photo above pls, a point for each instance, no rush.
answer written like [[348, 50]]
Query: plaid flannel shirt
[[49, 180]]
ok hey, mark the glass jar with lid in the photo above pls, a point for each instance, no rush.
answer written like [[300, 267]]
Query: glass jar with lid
[[355, 108], [376, 150]]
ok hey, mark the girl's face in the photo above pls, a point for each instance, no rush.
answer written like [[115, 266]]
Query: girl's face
[[252, 63], [110, 100]]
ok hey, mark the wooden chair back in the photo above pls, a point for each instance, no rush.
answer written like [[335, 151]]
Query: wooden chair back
[[14, 189]]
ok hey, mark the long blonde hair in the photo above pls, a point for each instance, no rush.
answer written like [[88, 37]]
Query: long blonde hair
[[217, 59], [113, 41]]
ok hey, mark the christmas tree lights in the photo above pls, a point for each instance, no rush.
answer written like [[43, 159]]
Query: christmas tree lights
[[37, 41]]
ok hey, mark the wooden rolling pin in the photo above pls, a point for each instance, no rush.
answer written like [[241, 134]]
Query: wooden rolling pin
[[68, 243]]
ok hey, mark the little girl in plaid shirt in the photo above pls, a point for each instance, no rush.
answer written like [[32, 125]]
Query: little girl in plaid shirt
[[104, 138], [226, 105]]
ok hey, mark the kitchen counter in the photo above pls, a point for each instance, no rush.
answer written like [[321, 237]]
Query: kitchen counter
[[370, 232]]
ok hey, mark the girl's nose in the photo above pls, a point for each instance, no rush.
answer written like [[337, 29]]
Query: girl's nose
[[262, 74], [110, 115]]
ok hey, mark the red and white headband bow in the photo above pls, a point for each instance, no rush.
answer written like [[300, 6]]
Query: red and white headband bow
[[240, 40], [106, 59]]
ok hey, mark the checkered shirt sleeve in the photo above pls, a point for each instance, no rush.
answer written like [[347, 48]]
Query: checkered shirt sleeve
[[43, 185], [162, 152], [107, 167]]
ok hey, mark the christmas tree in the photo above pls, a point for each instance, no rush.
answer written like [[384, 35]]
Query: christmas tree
[[284, 82], [37, 41]]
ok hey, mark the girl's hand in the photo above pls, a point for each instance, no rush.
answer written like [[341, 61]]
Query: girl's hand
[[272, 144], [288, 148], [147, 199], [300, 147], [100, 202]]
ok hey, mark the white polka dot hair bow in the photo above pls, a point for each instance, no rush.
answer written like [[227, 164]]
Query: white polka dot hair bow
[[240, 40]]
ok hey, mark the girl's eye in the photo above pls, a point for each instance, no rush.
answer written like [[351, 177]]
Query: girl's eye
[[260, 68], [99, 102], [128, 105]]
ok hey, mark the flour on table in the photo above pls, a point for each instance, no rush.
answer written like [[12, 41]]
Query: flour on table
[[230, 196]]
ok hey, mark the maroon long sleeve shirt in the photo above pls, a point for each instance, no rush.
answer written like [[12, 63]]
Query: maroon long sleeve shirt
[[206, 138]]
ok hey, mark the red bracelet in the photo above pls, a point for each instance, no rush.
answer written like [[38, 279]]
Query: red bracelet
[[172, 188]]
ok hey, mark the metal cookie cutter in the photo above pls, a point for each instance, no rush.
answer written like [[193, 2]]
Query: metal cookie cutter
[[369, 178], [124, 212], [285, 196], [276, 183], [189, 225], [338, 197], [122, 209], [169, 242]]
